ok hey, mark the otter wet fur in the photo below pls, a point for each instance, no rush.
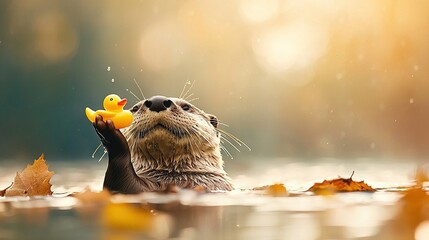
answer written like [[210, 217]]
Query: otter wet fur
[[170, 142]]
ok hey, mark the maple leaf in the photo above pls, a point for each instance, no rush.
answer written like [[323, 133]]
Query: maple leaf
[[32, 181], [340, 185]]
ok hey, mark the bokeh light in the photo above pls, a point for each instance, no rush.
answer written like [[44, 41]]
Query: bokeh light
[[305, 79]]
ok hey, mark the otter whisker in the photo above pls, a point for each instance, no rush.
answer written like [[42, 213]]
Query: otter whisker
[[184, 87], [193, 99], [199, 132], [190, 95], [223, 124], [195, 131], [226, 151], [104, 153], [140, 89], [236, 139], [226, 140], [189, 89], [96, 150], [134, 95], [191, 142]]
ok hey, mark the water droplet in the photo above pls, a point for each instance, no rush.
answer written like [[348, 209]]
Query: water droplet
[[113, 80], [411, 100], [108, 68]]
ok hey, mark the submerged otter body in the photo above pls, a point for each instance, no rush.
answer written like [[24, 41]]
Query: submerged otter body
[[170, 142]]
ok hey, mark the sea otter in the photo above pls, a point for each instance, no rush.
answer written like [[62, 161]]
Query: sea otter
[[170, 142]]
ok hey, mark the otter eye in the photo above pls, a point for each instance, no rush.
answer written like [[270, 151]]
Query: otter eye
[[213, 121], [135, 108], [186, 107], [111, 99]]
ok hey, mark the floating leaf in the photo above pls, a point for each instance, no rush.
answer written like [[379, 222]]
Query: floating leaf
[[341, 185], [2, 192], [32, 181], [277, 190]]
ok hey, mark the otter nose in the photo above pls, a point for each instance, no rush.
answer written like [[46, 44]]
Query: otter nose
[[158, 103]]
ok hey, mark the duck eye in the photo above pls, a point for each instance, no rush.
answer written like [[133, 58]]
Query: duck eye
[[186, 107], [111, 99]]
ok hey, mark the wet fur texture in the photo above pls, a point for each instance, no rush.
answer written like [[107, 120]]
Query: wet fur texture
[[178, 146]]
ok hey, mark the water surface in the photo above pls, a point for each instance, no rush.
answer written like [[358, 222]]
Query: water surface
[[240, 214]]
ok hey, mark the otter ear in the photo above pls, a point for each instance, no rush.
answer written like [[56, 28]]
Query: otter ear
[[213, 120]]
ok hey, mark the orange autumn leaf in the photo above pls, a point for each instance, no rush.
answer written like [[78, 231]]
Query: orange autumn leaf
[[32, 181], [340, 185], [277, 190]]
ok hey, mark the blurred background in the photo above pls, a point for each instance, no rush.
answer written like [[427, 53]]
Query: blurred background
[[293, 79]]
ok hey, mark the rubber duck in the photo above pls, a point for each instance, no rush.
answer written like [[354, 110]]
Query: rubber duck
[[114, 110]]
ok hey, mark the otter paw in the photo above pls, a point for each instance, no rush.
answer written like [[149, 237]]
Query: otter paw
[[109, 135]]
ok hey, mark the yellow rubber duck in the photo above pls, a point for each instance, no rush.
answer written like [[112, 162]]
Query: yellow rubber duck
[[114, 110]]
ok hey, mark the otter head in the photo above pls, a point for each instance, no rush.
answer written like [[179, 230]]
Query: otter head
[[172, 134]]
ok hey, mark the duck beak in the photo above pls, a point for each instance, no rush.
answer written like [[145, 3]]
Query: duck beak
[[122, 102]]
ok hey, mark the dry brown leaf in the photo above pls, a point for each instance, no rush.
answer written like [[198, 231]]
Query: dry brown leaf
[[2, 192], [32, 181], [341, 185]]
